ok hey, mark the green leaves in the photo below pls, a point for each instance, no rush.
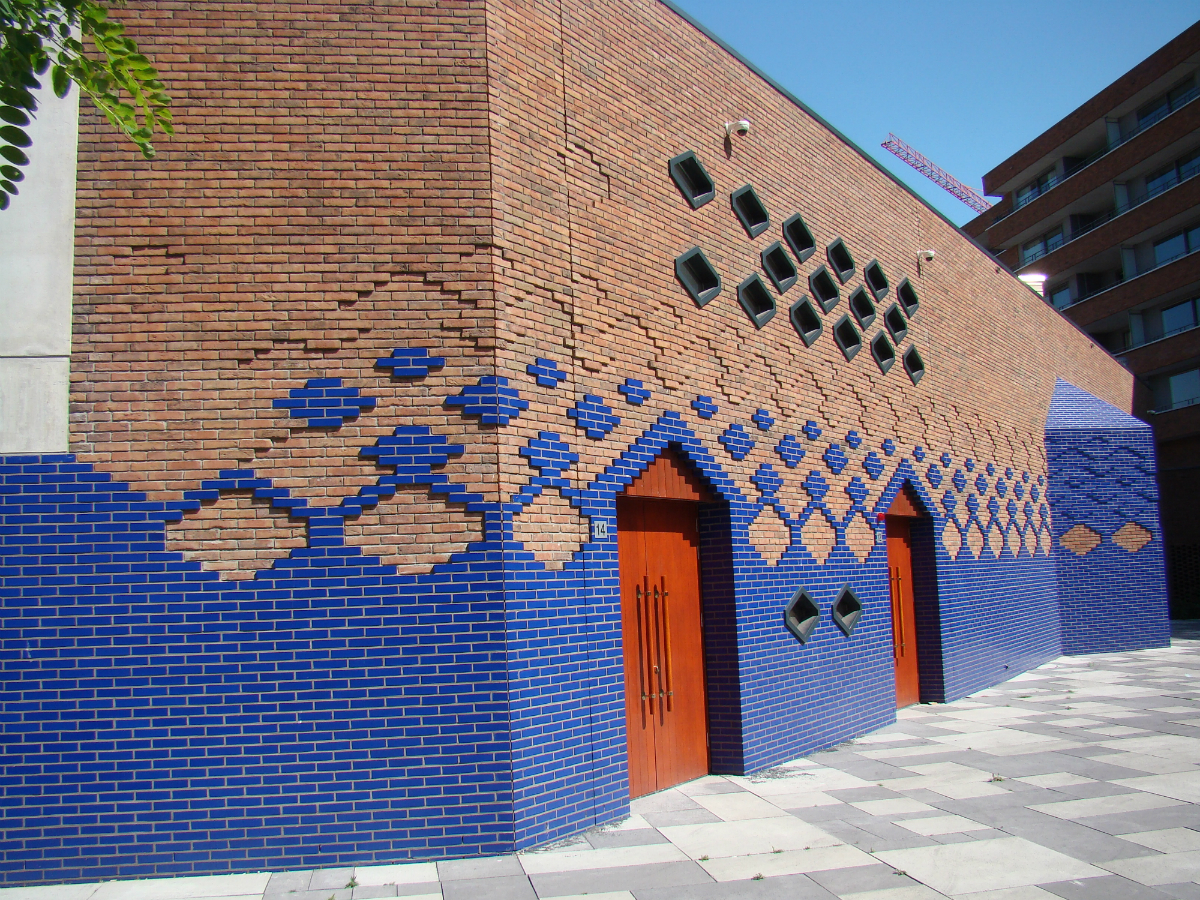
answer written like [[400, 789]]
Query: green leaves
[[37, 36]]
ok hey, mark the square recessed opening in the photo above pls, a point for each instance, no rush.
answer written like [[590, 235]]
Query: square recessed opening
[[824, 288], [692, 180], [846, 336], [799, 238], [914, 365], [907, 296], [883, 352], [897, 325], [806, 321], [862, 308], [778, 266], [840, 260], [750, 211], [756, 300], [847, 610], [801, 615], [877, 282], [698, 276]]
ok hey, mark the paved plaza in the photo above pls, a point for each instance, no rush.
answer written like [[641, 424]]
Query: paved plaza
[[1080, 779]]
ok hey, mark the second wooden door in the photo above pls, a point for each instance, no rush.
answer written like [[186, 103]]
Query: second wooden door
[[904, 631], [665, 704]]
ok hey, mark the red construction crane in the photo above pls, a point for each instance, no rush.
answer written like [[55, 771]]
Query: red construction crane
[[936, 174]]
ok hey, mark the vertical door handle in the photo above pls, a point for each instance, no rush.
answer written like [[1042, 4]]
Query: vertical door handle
[[666, 620], [641, 648]]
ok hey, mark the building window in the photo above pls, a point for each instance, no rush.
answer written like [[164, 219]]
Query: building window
[[1166, 104], [1179, 244], [1179, 171], [1059, 296], [1180, 317], [1047, 243], [1178, 390], [1036, 188]]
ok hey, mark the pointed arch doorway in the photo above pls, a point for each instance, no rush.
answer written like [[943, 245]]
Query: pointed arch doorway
[[658, 547]]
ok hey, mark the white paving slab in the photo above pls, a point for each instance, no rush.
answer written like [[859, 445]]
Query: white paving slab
[[932, 825], [737, 806], [1167, 868], [748, 836], [191, 888], [787, 862], [1167, 840], [1179, 785], [578, 860], [892, 807], [987, 865], [403, 873]]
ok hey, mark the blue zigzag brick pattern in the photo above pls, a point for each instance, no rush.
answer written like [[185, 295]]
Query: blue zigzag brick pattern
[[410, 362], [546, 372], [359, 714], [324, 402], [491, 399]]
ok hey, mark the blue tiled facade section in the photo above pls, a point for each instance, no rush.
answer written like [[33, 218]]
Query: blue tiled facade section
[[160, 721], [1102, 475]]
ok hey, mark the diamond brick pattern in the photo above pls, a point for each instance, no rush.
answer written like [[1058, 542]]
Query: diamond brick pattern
[[790, 451], [546, 372], [491, 399], [635, 393], [762, 419], [593, 417], [959, 480], [888, 447], [835, 457], [704, 407], [874, 465], [811, 430], [737, 441], [934, 476], [853, 440], [410, 362], [324, 402], [919, 453]]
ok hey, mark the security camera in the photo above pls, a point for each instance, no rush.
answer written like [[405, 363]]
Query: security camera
[[741, 126], [926, 255]]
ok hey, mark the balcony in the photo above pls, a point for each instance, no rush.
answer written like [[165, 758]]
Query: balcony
[[1172, 275]]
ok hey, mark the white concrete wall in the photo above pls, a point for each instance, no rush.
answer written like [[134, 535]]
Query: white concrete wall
[[37, 240]]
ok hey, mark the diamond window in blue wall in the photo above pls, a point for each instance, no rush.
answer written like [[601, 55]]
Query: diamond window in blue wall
[[737, 441], [546, 372], [847, 609], [596, 419], [790, 451], [491, 399], [801, 615]]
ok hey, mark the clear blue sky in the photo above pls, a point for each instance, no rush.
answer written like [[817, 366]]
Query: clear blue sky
[[966, 83]]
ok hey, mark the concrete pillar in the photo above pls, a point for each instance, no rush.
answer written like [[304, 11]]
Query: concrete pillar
[[37, 240]]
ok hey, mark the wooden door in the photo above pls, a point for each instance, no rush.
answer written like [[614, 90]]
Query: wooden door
[[665, 705], [904, 632]]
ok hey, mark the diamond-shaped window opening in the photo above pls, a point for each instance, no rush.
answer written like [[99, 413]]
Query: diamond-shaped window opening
[[862, 308], [914, 365], [750, 211], [876, 281], [698, 276], [692, 180], [778, 266], [847, 610], [907, 295], [806, 321], [756, 300], [799, 238], [801, 615], [840, 260], [897, 325], [846, 336], [883, 352], [824, 288]]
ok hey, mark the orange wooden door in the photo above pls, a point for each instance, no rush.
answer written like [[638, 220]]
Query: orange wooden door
[[904, 632], [665, 706]]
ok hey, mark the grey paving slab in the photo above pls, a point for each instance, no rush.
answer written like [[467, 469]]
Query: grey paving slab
[[861, 879], [505, 887], [786, 887], [483, 867], [1111, 887], [697, 816], [618, 878], [635, 837], [285, 882], [333, 879], [374, 891]]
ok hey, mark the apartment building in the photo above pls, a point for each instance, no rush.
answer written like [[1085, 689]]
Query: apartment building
[[1105, 205]]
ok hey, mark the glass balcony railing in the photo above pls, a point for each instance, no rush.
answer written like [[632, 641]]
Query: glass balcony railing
[[1138, 274], [1178, 404]]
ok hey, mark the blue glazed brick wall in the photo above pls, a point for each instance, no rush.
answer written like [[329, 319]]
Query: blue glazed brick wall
[[1102, 475]]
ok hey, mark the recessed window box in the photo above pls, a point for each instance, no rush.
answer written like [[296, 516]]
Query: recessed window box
[[750, 211], [840, 260], [862, 308], [801, 615], [907, 295], [914, 365], [897, 325], [778, 266], [824, 288], [877, 282], [883, 352], [806, 321], [698, 276], [847, 610], [692, 180], [756, 300], [846, 336], [799, 238]]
